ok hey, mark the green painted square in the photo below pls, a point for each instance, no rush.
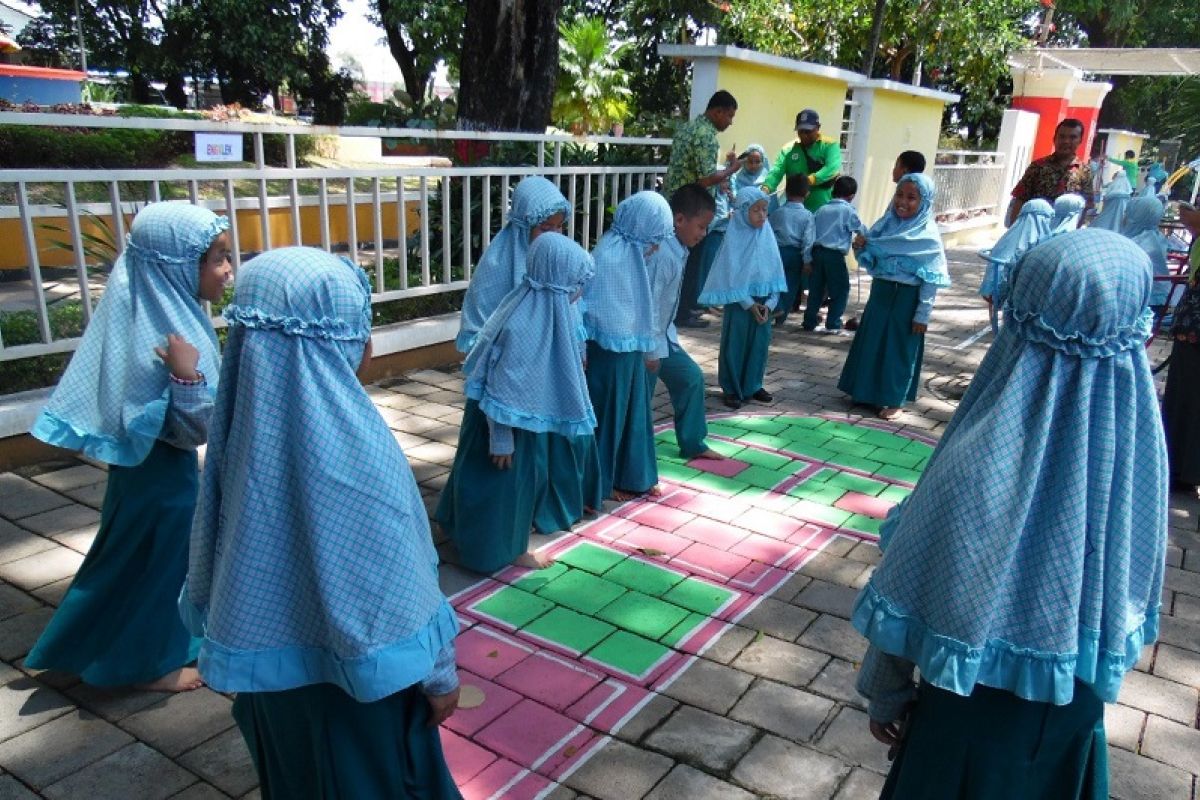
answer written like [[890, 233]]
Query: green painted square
[[859, 463], [761, 477], [667, 437], [856, 483], [513, 606], [569, 629], [894, 494], [818, 453], [815, 437], [921, 448], [752, 495], [727, 449], [807, 509], [725, 429], [898, 473], [592, 558], [884, 439], [899, 458], [768, 425], [863, 524], [822, 475], [689, 624], [850, 447], [669, 455], [760, 458], [647, 578], [698, 596], [582, 591], [822, 493], [642, 614], [676, 472], [765, 440], [628, 653], [717, 484], [536, 579], [843, 429], [801, 422]]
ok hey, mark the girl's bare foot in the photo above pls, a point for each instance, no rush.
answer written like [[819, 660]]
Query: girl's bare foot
[[655, 491], [890, 412], [533, 560], [621, 496], [711, 455], [184, 679]]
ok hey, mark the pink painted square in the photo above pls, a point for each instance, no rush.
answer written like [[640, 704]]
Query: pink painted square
[[488, 655], [663, 517], [725, 467], [528, 732], [809, 536], [765, 549], [718, 508], [715, 534], [549, 680], [677, 496], [768, 523], [465, 758], [864, 504], [496, 700], [610, 528], [607, 704], [503, 776], [710, 561], [758, 578], [653, 539]]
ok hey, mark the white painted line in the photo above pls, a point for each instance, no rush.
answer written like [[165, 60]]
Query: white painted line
[[973, 338]]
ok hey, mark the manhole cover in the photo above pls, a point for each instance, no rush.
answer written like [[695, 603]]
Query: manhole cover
[[949, 388]]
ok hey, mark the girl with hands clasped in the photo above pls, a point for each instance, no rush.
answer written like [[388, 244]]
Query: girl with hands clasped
[[137, 396], [903, 254], [748, 279]]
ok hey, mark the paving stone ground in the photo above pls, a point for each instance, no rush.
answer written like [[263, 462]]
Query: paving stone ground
[[767, 710]]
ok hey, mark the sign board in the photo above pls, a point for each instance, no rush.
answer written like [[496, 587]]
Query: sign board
[[218, 147]]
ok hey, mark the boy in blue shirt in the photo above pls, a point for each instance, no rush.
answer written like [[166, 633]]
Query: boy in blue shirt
[[793, 226], [693, 209], [835, 225]]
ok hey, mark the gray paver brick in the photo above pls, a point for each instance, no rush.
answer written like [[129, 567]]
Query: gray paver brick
[[25, 704], [23, 497], [71, 478], [861, 785], [1123, 726], [133, 771], [619, 772], [91, 495], [835, 636], [13, 601], [207, 714], [790, 713], [1175, 664], [39, 569], [782, 769], [708, 685], [702, 738], [62, 519], [833, 569], [837, 681], [1159, 696], [828, 598], [776, 618], [732, 642], [113, 704], [19, 632], [1133, 777], [17, 543], [63, 746], [1172, 743], [223, 761], [1180, 580], [849, 737], [692, 784], [201, 791], [13, 789], [781, 661], [649, 717], [53, 593], [80, 540], [1187, 609]]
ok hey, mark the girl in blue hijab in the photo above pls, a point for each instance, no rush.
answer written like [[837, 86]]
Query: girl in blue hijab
[[1031, 226], [525, 386], [537, 205], [903, 254], [1068, 208], [1025, 584], [619, 319], [747, 278], [1141, 225], [312, 577], [1116, 200], [755, 167], [137, 396]]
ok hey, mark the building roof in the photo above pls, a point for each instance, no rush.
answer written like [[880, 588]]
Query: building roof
[[1112, 60]]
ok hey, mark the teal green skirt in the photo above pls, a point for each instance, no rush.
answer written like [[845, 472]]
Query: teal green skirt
[[995, 746], [488, 512], [619, 385], [1181, 413], [573, 483], [119, 621], [745, 345], [884, 364], [319, 743]]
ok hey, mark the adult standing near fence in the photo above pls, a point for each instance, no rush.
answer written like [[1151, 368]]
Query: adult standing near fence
[[1054, 175], [695, 154], [812, 155]]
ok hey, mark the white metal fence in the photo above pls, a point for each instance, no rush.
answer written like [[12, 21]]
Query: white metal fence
[[417, 230], [969, 183]]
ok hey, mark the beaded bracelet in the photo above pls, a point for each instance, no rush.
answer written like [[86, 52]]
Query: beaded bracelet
[[181, 382]]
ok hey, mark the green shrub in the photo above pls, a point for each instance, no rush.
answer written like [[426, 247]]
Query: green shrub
[[21, 327], [23, 147]]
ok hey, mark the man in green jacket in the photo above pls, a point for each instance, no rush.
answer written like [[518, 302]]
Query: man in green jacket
[[812, 155]]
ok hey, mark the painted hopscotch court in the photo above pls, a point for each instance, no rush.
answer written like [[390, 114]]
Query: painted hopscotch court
[[554, 662]]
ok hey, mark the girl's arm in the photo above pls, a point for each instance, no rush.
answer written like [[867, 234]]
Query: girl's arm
[[500, 443], [887, 683], [444, 677], [926, 293], [189, 409], [772, 301]]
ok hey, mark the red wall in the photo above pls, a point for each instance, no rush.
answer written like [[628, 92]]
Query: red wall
[[1089, 117], [1051, 110]]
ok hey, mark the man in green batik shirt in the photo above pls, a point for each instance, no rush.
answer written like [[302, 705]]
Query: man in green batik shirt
[[811, 155]]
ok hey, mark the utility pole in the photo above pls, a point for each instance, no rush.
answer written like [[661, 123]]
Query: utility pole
[[79, 32]]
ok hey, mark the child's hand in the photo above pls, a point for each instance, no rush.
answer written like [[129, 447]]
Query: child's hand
[[441, 706], [761, 313], [652, 365], [502, 462], [919, 328], [180, 357], [860, 241], [808, 269]]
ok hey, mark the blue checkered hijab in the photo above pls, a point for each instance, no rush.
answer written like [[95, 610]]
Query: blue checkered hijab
[[502, 265], [1067, 209], [111, 403], [311, 559], [1032, 551], [1116, 200], [744, 177], [1141, 225], [525, 369], [1031, 226], [748, 264], [618, 311], [907, 247]]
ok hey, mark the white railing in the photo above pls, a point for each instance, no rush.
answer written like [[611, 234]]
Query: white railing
[[969, 183]]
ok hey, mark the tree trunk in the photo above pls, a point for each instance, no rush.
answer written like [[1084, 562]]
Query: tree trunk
[[876, 35], [509, 64], [414, 82]]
